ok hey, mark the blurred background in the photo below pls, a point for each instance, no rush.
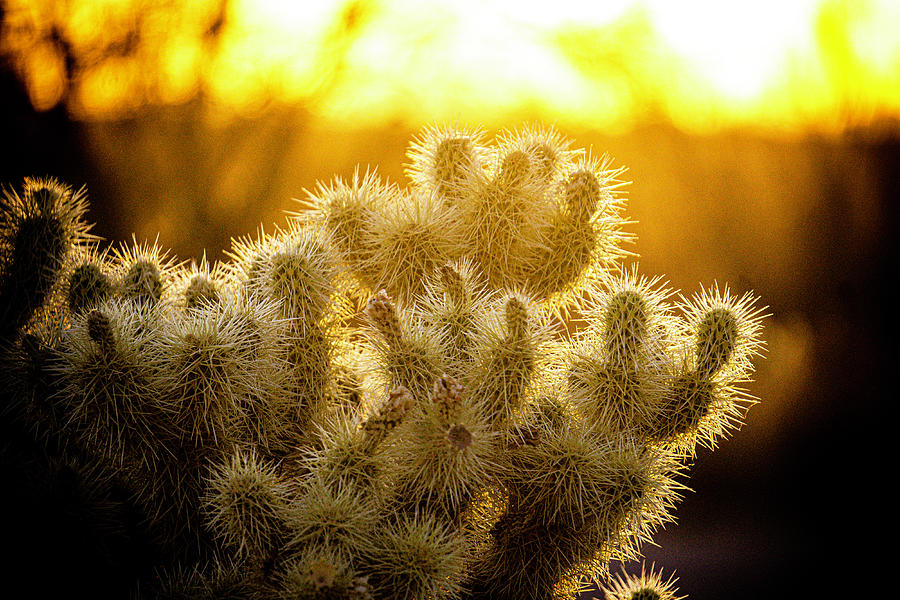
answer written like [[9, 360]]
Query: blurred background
[[762, 139]]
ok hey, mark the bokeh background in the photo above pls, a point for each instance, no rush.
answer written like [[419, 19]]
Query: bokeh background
[[762, 141]]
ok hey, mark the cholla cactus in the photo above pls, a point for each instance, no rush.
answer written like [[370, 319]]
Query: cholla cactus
[[387, 398], [646, 586]]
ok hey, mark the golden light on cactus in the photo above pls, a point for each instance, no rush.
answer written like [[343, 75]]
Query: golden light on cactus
[[259, 422], [444, 454], [586, 227], [508, 206], [726, 329], [410, 358], [416, 234], [349, 210], [450, 307], [704, 401], [508, 346], [548, 150], [296, 268]]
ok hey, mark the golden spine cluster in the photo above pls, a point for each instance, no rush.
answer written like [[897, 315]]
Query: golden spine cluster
[[389, 398]]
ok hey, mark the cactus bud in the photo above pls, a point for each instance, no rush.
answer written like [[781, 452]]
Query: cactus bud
[[398, 403], [446, 396], [516, 318], [383, 315], [389, 415], [100, 329]]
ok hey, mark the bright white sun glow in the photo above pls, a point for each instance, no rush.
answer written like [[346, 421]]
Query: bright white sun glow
[[701, 64]]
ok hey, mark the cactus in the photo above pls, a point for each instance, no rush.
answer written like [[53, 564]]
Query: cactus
[[456, 389], [646, 586]]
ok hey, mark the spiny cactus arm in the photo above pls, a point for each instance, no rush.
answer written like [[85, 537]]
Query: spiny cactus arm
[[618, 366], [508, 350], [199, 284], [87, 277], [550, 152], [416, 557], [575, 502], [246, 506], [298, 270], [38, 228], [443, 161], [350, 210], [320, 572], [202, 370], [405, 351], [340, 513], [504, 211], [704, 402], [454, 301], [412, 237], [268, 416], [347, 207], [443, 456], [106, 369], [143, 273], [584, 236]]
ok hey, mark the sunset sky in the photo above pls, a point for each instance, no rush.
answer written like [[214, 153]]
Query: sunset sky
[[770, 64]]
